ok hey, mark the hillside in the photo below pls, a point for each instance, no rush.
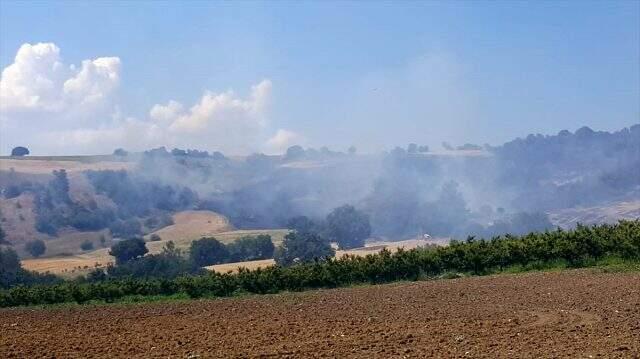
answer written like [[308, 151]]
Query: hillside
[[65, 257]]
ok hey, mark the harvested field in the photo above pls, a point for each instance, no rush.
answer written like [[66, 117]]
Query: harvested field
[[277, 235], [190, 225], [574, 314], [44, 165]]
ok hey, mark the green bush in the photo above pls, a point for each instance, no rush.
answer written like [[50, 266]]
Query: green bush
[[208, 251], [250, 248], [86, 245], [581, 246], [303, 247], [128, 249], [35, 247]]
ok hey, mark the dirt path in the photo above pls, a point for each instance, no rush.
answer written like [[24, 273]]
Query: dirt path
[[577, 314]]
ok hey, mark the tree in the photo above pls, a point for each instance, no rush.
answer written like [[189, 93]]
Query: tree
[[130, 227], [301, 224], [207, 251], [9, 267], [300, 247], [250, 248], [412, 148], [87, 245], [352, 150], [120, 152], [294, 153], [3, 236], [348, 227], [59, 186], [423, 149], [35, 247], [178, 152], [19, 151], [129, 249]]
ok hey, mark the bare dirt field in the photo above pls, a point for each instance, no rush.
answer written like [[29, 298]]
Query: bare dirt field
[[571, 314]]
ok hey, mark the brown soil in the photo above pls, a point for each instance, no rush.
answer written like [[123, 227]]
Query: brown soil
[[573, 314]]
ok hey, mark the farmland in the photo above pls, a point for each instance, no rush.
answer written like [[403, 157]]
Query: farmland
[[579, 313]]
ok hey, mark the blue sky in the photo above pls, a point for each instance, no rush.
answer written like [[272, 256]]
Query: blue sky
[[373, 74]]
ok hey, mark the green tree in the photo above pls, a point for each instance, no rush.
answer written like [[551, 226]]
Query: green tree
[[59, 187], [348, 227], [87, 245], [301, 224], [129, 249], [3, 236], [19, 151], [130, 227], [9, 267], [301, 247], [35, 247], [207, 251], [250, 248]]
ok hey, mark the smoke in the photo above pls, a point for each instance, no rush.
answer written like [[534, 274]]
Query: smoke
[[407, 193]]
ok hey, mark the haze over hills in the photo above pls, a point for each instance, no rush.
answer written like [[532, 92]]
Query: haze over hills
[[526, 184]]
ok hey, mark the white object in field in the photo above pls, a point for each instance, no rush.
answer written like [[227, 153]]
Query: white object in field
[[426, 236]]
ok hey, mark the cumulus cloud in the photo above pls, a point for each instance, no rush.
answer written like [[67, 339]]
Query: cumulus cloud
[[55, 108], [37, 80], [166, 113], [279, 142]]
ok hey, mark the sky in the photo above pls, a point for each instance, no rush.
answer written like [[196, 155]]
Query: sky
[[241, 77]]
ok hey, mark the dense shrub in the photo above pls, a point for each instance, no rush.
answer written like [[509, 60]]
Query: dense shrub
[[3, 236], [124, 229], [348, 227], [128, 249], [35, 247], [86, 245], [170, 263], [12, 273], [137, 197], [19, 151], [576, 247], [250, 248], [208, 251], [302, 247]]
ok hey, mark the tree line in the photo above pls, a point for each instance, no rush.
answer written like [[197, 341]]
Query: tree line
[[575, 248]]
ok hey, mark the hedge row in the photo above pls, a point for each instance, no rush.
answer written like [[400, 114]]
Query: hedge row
[[574, 247]]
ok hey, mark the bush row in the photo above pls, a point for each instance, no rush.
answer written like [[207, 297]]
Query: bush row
[[575, 247]]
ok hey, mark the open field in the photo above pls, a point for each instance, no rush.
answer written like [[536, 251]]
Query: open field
[[607, 213], [576, 314], [190, 225], [371, 248], [46, 164]]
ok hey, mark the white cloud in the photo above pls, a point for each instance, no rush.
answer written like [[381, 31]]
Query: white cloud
[[166, 113], [37, 80], [94, 82], [282, 140], [54, 109]]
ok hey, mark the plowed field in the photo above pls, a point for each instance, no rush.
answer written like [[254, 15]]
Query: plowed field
[[572, 314]]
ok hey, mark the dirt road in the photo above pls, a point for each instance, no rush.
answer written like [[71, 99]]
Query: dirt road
[[574, 314]]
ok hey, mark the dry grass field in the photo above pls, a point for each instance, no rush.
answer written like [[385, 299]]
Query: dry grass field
[[188, 226], [45, 165], [370, 248], [610, 213]]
